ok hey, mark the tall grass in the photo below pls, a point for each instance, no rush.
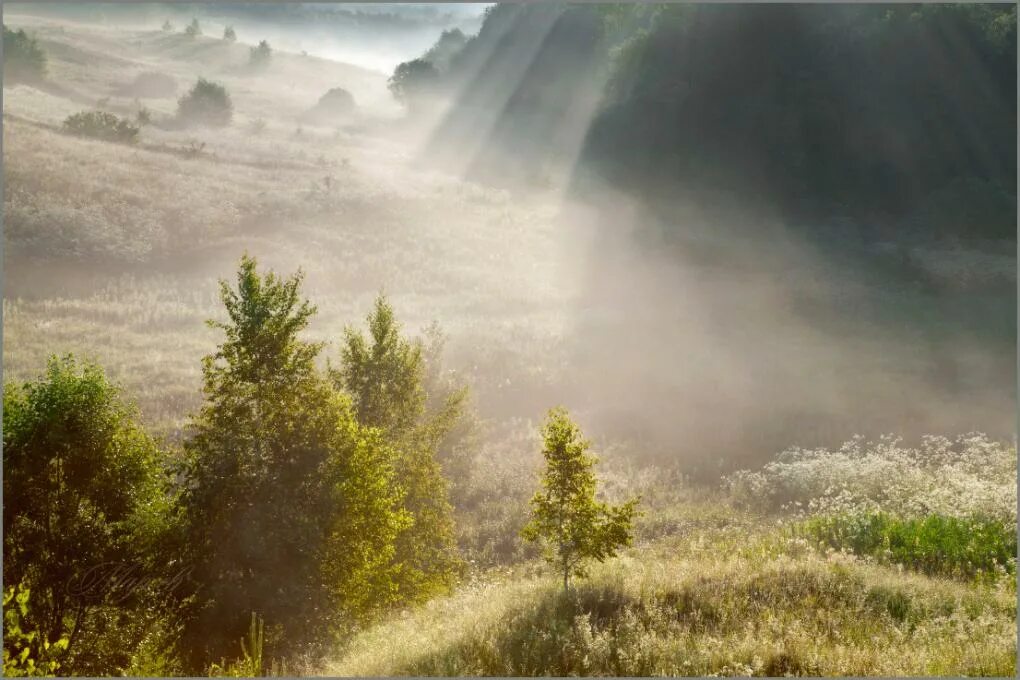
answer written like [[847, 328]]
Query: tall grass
[[771, 607]]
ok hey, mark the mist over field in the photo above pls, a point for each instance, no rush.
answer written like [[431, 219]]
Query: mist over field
[[714, 234]]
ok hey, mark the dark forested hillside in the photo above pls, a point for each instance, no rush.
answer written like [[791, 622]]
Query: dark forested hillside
[[901, 117]]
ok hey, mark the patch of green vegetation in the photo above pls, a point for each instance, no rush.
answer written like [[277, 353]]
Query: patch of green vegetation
[[935, 544]]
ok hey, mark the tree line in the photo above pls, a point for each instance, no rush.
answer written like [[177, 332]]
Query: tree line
[[313, 499]]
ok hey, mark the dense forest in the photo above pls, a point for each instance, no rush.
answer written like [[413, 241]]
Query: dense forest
[[811, 113]]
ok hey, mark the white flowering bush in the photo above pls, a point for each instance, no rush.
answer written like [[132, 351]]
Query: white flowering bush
[[971, 475]]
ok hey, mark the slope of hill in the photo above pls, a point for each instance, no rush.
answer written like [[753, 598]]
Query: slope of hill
[[726, 602]]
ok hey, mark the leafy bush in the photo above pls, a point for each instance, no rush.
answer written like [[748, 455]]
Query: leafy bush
[[24, 60], [167, 27], [27, 653], [101, 125], [229, 35], [82, 493], [335, 104], [936, 544], [259, 56], [207, 103]]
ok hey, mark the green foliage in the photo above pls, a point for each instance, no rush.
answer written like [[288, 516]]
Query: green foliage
[[229, 35], [291, 507], [385, 375], [24, 60], [80, 471], [565, 514], [414, 82], [936, 544], [260, 55], [103, 125], [27, 653], [207, 103], [167, 26], [193, 30]]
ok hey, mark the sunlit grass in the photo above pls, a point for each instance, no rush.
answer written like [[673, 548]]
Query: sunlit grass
[[730, 602]]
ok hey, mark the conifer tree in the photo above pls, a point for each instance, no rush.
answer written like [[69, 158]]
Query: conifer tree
[[292, 511]]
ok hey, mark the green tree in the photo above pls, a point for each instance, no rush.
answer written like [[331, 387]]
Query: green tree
[[385, 375], [84, 502], [229, 35], [292, 510], [24, 60], [413, 83], [565, 515]]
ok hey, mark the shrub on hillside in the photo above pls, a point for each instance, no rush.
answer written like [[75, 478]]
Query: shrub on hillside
[[101, 125], [24, 60], [259, 56], [337, 103], [207, 103], [229, 35]]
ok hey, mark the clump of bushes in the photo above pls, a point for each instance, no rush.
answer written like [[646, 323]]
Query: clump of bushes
[[207, 103], [101, 125], [229, 35], [936, 544], [259, 56], [167, 26], [24, 60]]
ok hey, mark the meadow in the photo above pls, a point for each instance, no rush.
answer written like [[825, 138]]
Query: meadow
[[879, 556]]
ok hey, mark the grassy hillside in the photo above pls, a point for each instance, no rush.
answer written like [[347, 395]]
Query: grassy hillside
[[730, 601]]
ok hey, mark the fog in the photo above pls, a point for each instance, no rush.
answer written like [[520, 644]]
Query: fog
[[736, 340]]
